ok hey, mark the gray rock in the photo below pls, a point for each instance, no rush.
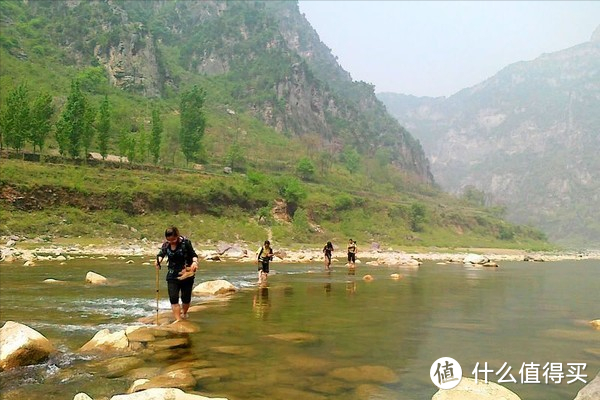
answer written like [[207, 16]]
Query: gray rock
[[591, 391]]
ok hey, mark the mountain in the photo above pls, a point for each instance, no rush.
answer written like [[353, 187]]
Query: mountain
[[261, 58], [527, 137], [293, 148]]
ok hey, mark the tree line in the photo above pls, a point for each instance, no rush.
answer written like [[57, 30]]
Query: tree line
[[26, 118]]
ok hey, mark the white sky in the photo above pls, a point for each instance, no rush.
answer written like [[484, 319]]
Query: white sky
[[436, 48]]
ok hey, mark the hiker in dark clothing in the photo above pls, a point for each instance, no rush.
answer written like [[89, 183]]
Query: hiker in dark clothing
[[182, 267], [327, 250], [265, 254]]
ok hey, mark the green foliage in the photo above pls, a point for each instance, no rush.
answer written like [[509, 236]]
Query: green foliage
[[506, 233], [357, 192], [416, 217], [70, 129], [157, 130], [343, 202], [193, 123], [305, 169], [15, 120], [232, 205], [474, 196], [301, 225], [104, 127], [236, 158], [42, 112], [93, 79], [88, 130], [292, 191], [351, 159]]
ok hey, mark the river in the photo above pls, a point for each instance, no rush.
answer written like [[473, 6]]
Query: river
[[520, 313]]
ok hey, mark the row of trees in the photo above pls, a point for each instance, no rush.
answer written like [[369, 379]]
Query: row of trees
[[26, 120]]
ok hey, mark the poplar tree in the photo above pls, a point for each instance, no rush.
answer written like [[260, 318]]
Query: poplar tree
[[41, 120], [104, 127], [88, 129], [71, 124], [157, 129], [15, 120], [193, 123]]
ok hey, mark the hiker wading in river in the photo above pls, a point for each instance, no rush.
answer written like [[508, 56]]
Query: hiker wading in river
[[182, 267]]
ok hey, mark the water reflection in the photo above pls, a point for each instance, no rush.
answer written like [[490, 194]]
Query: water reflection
[[261, 303]]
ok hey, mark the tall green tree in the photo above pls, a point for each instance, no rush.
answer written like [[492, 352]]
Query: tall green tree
[[131, 147], [306, 169], [72, 121], [41, 120], [15, 119], [351, 159], [193, 123], [416, 217], [157, 129], [88, 129], [143, 146], [104, 127], [124, 143], [236, 158]]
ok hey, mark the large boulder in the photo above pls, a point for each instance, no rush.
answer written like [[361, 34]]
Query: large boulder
[[591, 391], [20, 345], [104, 340], [475, 259], [467, 389], [216, 287], [162, 394]]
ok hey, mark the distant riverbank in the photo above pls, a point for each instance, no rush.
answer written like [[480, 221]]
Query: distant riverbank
[[16, 249]]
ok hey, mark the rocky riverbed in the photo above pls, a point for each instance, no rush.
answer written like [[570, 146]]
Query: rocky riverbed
[[15, 249]]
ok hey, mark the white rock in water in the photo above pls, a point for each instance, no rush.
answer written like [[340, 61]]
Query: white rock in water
[[95, 278]]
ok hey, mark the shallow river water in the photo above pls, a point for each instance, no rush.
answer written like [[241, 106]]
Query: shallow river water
[[519, 313]]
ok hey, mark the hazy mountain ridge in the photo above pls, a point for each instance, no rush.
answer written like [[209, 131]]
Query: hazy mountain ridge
[[527, 137]]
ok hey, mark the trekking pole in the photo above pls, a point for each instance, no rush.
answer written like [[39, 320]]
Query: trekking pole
[[157, 286]]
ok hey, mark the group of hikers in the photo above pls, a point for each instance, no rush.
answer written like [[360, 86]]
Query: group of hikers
[[183, 264]]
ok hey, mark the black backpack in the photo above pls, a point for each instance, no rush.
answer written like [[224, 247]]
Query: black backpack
[[185, 243]]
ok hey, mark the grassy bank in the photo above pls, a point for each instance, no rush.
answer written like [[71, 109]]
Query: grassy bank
[[54, 201]]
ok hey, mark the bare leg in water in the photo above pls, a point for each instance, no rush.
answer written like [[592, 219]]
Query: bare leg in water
[[176, 308]]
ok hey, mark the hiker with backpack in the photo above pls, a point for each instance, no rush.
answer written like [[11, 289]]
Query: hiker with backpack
[[328, 250], [352, 253], [265, 254], [182, 266]]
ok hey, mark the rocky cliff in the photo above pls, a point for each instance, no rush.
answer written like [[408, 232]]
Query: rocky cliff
[[269, 59], [527, 137]]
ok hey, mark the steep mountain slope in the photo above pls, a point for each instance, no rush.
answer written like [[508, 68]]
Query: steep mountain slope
[[275, 99], [262, 58], [527, 137]]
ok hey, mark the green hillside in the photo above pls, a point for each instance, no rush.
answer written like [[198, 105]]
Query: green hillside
[[314, 156]]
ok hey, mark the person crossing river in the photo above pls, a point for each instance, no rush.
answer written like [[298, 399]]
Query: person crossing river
[[182, 266]]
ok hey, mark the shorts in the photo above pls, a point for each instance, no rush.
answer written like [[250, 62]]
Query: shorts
[[264, 267], [185, 287], [351, 257]]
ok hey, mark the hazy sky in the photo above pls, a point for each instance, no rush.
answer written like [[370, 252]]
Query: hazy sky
[[436, 48]]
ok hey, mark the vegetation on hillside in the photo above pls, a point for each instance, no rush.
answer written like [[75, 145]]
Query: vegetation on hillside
[[57, 200], [329, 189]]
